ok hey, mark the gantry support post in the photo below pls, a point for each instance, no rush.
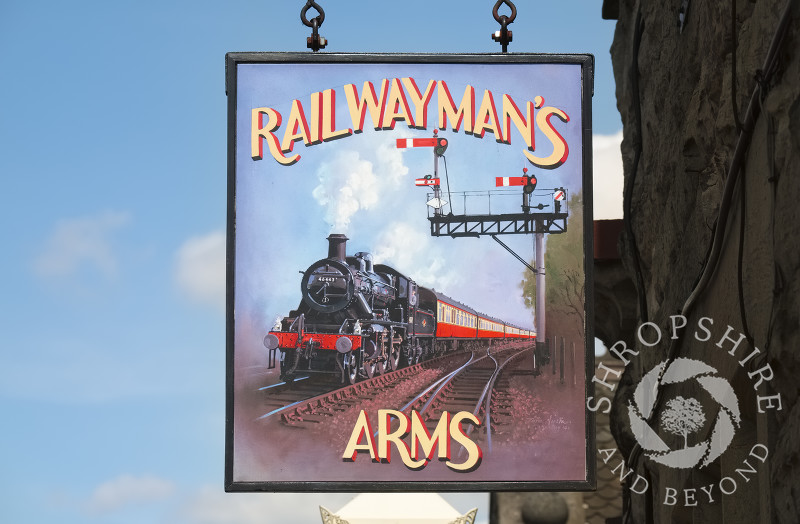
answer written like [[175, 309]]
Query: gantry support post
[[540, 308]]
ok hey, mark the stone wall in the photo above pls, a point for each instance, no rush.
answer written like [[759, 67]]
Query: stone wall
[[676, 98]]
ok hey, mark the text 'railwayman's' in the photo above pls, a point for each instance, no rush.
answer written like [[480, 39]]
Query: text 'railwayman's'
[[400, 99]]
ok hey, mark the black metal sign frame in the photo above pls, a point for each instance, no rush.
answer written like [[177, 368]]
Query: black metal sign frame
[[266, 132]]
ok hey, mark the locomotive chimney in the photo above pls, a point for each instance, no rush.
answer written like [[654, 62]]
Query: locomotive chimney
[[337, 246]]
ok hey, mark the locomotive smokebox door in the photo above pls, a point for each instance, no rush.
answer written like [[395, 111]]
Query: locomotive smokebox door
[[327, 286]]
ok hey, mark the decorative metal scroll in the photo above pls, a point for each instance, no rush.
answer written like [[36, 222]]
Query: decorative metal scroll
[[331, 518], [468, 518]]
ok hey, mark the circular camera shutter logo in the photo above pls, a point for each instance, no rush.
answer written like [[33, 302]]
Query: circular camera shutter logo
[[684, 416]]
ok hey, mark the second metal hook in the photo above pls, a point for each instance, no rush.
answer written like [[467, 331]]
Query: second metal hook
[[499, 17], [319, 18]]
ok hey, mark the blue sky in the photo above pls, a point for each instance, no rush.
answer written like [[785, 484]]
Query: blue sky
[[112, 338]]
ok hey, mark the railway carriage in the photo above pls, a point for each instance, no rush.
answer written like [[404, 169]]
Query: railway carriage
[[490, 328], [454, 320], [360, 319]]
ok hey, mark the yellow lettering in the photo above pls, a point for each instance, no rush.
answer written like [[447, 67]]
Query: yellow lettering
[[422, 439], [315, 118], [486, 119], [385, 436], [397, 107], [328, 123], [447, 108], [296, 128], [525, 126], [419, 100], [260, 132], [560, 147], [369, 100], [474, 453], [361, 430]]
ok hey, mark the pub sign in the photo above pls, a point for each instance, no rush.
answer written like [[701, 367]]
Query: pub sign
[[378, 338]]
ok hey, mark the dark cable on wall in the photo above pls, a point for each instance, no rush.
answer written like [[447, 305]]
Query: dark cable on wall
[[740, 256]]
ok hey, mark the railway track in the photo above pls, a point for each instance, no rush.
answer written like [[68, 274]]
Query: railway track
[[311, 400], [458, 382], [470, 388]]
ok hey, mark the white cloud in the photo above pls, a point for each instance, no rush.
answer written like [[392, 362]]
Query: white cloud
[[81, 242], [412, 251], [390, 162], [348, 182], [200, 268], [127, 490], [608, 179]]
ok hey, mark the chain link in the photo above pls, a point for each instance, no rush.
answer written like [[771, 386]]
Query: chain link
[[504, 36], [315, 42]]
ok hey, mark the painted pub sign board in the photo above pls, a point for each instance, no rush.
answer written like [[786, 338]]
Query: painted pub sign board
[[379, 337]]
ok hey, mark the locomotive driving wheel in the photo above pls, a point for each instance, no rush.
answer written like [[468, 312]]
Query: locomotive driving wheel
[[370, 368], [421, 353], [393, 359], [351, 367]]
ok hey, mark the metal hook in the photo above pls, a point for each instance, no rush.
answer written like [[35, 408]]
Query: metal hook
[[319, 18], [504, 36], [315, 42], [499, 17]]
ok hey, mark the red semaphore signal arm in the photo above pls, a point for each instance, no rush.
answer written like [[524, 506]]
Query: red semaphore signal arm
[[403, 143], [505, 181]]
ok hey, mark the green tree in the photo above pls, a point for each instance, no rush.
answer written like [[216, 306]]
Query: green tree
[[564, 277]]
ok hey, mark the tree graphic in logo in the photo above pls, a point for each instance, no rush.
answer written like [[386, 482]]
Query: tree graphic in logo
[[683, 416]]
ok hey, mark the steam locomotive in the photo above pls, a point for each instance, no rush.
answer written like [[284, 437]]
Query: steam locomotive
[[360, 319]]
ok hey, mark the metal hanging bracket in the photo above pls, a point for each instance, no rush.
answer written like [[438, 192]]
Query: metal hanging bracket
[[315, 42], [504, 36]]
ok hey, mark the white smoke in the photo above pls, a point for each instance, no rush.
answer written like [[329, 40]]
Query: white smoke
[[349, 182], [346, 185], [412, 252]]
